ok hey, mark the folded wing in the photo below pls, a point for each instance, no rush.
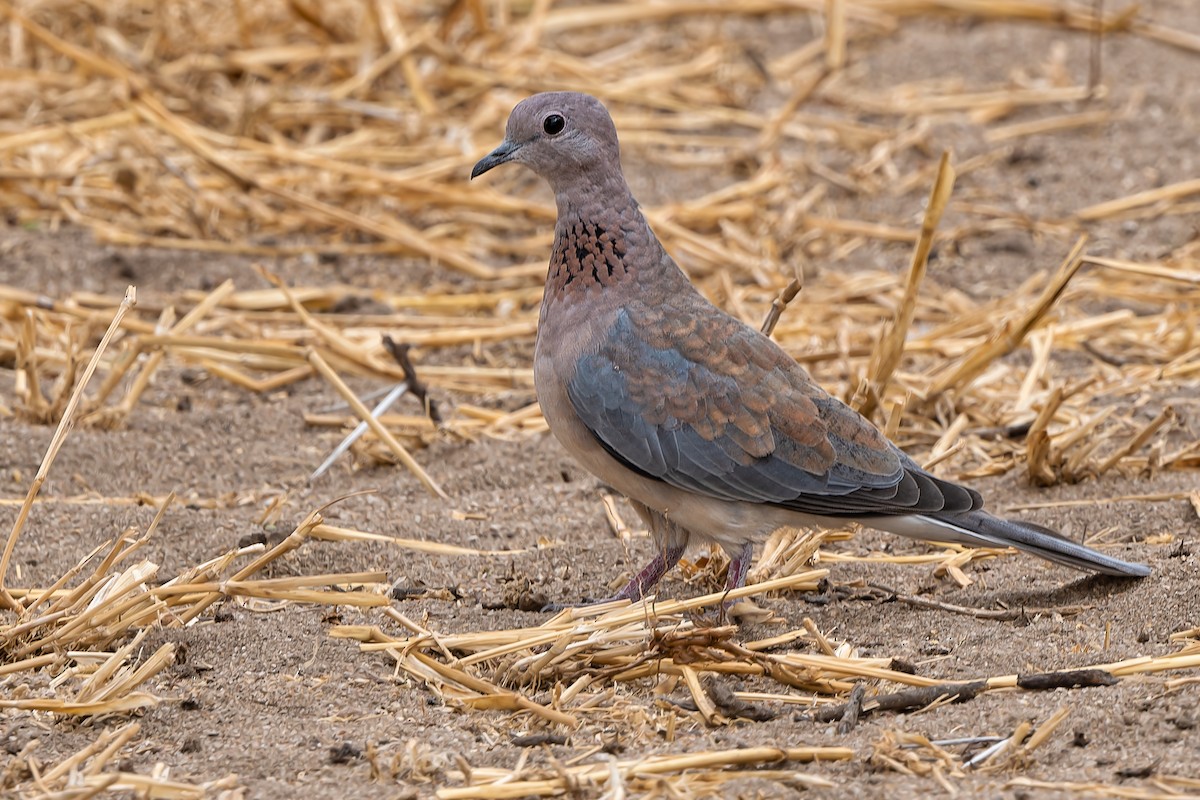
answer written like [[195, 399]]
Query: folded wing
[[719, 409]]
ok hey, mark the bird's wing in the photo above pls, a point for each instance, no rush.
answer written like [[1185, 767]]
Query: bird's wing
[[683, 393]]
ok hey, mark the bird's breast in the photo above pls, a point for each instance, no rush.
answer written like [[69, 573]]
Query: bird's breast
[[588, 257]]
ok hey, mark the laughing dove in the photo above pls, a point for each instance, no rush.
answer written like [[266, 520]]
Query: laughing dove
[[707, 426]]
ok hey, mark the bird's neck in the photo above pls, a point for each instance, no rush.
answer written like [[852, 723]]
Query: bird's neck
[[601, 239]]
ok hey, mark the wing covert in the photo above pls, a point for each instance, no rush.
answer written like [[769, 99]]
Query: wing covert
[[721, 410]]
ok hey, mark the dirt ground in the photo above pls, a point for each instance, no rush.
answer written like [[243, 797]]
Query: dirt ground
[[272, 697]]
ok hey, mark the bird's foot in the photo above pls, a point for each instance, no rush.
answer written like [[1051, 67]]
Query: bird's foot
[[735, 578], [632, 592], [554, 608], [639, 586]]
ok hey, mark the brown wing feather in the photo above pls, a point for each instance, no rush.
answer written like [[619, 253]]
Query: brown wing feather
[[720, 409]]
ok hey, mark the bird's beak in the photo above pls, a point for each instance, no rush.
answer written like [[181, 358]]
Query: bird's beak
[[501, 155]]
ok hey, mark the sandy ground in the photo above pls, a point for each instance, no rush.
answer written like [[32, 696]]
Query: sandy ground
[[273, 698]]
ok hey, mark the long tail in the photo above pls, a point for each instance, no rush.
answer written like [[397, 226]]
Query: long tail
[[981, 529]]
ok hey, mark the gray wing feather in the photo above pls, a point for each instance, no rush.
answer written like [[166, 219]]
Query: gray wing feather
[[675, 452]]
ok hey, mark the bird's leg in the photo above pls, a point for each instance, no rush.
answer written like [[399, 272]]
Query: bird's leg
[[639, 585], [672, 541], [739, 565]]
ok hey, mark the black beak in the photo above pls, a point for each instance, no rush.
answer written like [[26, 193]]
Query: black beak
[[501, 155]]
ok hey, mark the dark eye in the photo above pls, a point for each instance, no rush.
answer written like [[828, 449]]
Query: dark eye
[[553, 124]]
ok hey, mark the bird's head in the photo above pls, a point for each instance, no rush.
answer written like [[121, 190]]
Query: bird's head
[[559, 135]]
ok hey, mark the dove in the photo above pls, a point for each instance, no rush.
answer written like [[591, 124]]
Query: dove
[[709, 428]]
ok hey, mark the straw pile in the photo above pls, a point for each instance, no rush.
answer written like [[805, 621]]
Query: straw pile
[[566, 676], [342, 128]]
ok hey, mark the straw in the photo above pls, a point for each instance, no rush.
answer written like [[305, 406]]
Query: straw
[[56, 442], [891, 341]]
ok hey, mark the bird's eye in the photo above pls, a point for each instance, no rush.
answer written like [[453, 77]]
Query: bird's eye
[[553, 124]]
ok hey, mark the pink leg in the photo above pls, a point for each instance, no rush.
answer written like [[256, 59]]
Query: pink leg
[[651, 574], [739, 565]]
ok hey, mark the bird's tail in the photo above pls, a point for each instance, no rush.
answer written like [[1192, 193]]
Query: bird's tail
[[981, 529]]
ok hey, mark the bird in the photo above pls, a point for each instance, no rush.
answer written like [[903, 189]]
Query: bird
[[707, 426]]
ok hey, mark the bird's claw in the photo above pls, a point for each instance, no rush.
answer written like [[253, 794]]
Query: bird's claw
[[554, 608]]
